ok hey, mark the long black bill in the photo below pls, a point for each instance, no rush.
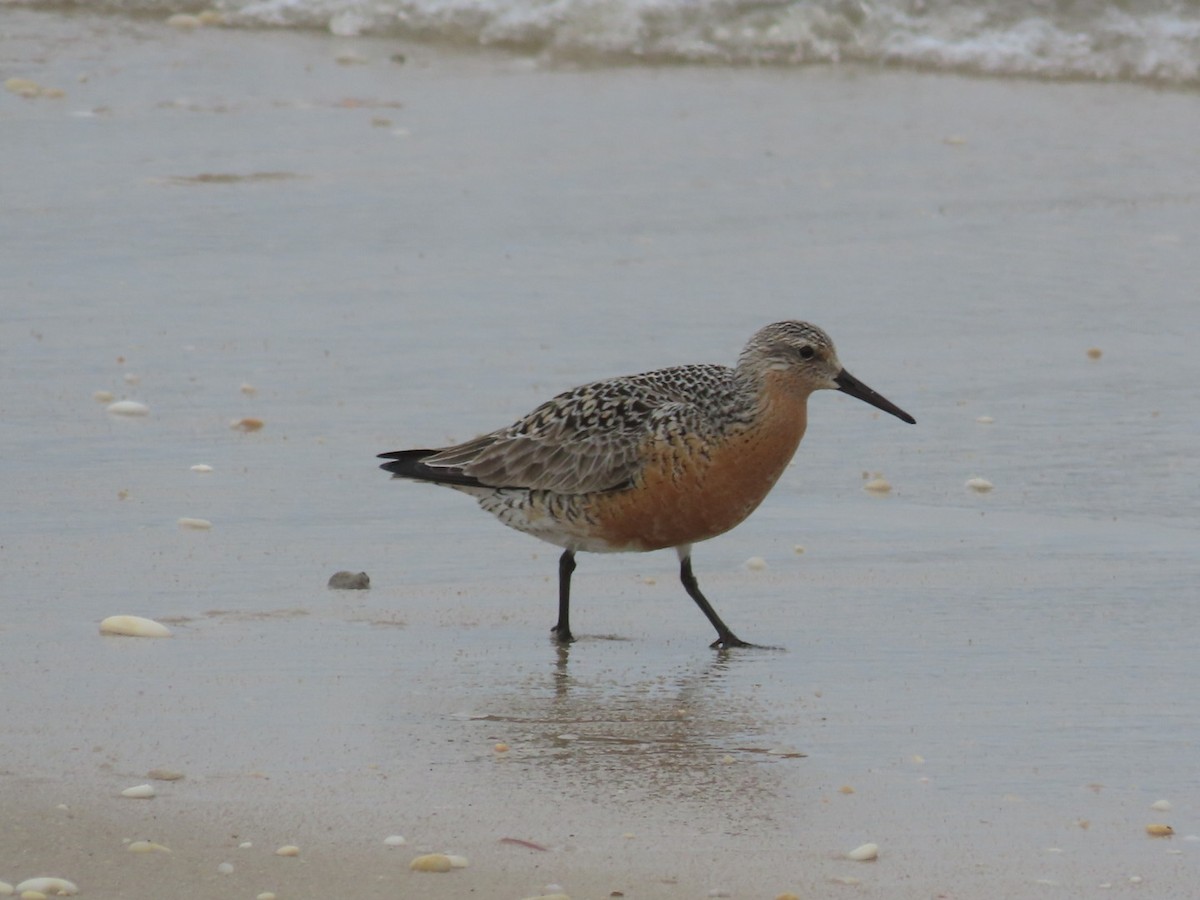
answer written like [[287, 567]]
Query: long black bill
[[848, 384]]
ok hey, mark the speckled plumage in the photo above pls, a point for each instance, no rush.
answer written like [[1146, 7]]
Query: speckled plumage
[[643, 462]]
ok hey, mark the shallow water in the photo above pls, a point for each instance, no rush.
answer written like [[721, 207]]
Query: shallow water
[[986, 671]]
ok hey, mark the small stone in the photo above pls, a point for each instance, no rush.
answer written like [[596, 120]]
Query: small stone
[[500, 747], [134, 626], [984, 420], [202, 468], [103, 396], [47, 885], [979, 485], [349, 581], [431, 862], [247, 424], [147, 847], [195, 524], [248, 389], [1159, 830], [139, 792], [1094, 353], [394, 840], [164, 775], [878, 486], [288, 850], [1161, 805], [756, 564]]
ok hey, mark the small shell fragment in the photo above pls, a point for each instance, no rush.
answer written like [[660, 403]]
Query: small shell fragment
[[979, 485], [247, 424], [984, 420], [195, 524], [1161, 805], [147, 847], [431, 862], [139, 792], [394, 840], [103, 396], [59, 886], [1159, 830], [202, 468], [128, 408], [134, 626], [878, 485], [288, 850], [756, 564], [864, 853], [457, 862], [164, 775]]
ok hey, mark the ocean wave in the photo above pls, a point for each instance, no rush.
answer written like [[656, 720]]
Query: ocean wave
[[1154, 41]]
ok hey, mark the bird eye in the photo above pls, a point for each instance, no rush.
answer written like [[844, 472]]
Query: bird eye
[[807, 352]]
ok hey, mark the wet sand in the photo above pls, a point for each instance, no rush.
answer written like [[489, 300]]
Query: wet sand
[[399, 254]]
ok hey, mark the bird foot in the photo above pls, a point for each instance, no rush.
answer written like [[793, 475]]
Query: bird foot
[[562, 635]]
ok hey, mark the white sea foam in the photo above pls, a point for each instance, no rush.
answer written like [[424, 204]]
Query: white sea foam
[[1154, 41]]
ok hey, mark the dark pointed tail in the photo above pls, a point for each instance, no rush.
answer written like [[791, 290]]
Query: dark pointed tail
[[409, 464]]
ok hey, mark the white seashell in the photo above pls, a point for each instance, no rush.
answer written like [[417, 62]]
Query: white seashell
[[394, 840], [195, 524], [59, 886], [288, 850], [139, 792], [1161, 805], [128, 408], [134, 626], [864, 853], [979, 485], [147, 847], [225, 868], [203, 468], [756, 564], [878, 485]]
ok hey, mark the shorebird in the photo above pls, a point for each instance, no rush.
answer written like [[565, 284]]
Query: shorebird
[[646, 462]]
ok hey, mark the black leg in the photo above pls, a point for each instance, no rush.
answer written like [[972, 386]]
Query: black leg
[[725, 637], [562, 628]]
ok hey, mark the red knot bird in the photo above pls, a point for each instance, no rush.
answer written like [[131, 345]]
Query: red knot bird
[[645, 462]]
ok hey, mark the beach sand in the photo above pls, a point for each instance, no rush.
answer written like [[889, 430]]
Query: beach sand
[[369, 252]]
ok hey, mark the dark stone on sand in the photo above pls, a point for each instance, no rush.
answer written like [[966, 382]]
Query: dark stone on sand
[[349, 581]]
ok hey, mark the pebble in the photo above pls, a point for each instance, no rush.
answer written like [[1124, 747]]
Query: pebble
[[134, 626], [431, 862], [59, 886], [248, 389], [147, 847], [878, 485], [1159, 830], [1161, 805], [864, 853], [349, 581], [202, 468], [288, 850], [798, 549], [104, 396], [225, 868], [395, 840], [128, 408], [756, 564], [195, 524], [247, 425], [500, 747], [1094, 353], [979, 485], [139, 792]]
